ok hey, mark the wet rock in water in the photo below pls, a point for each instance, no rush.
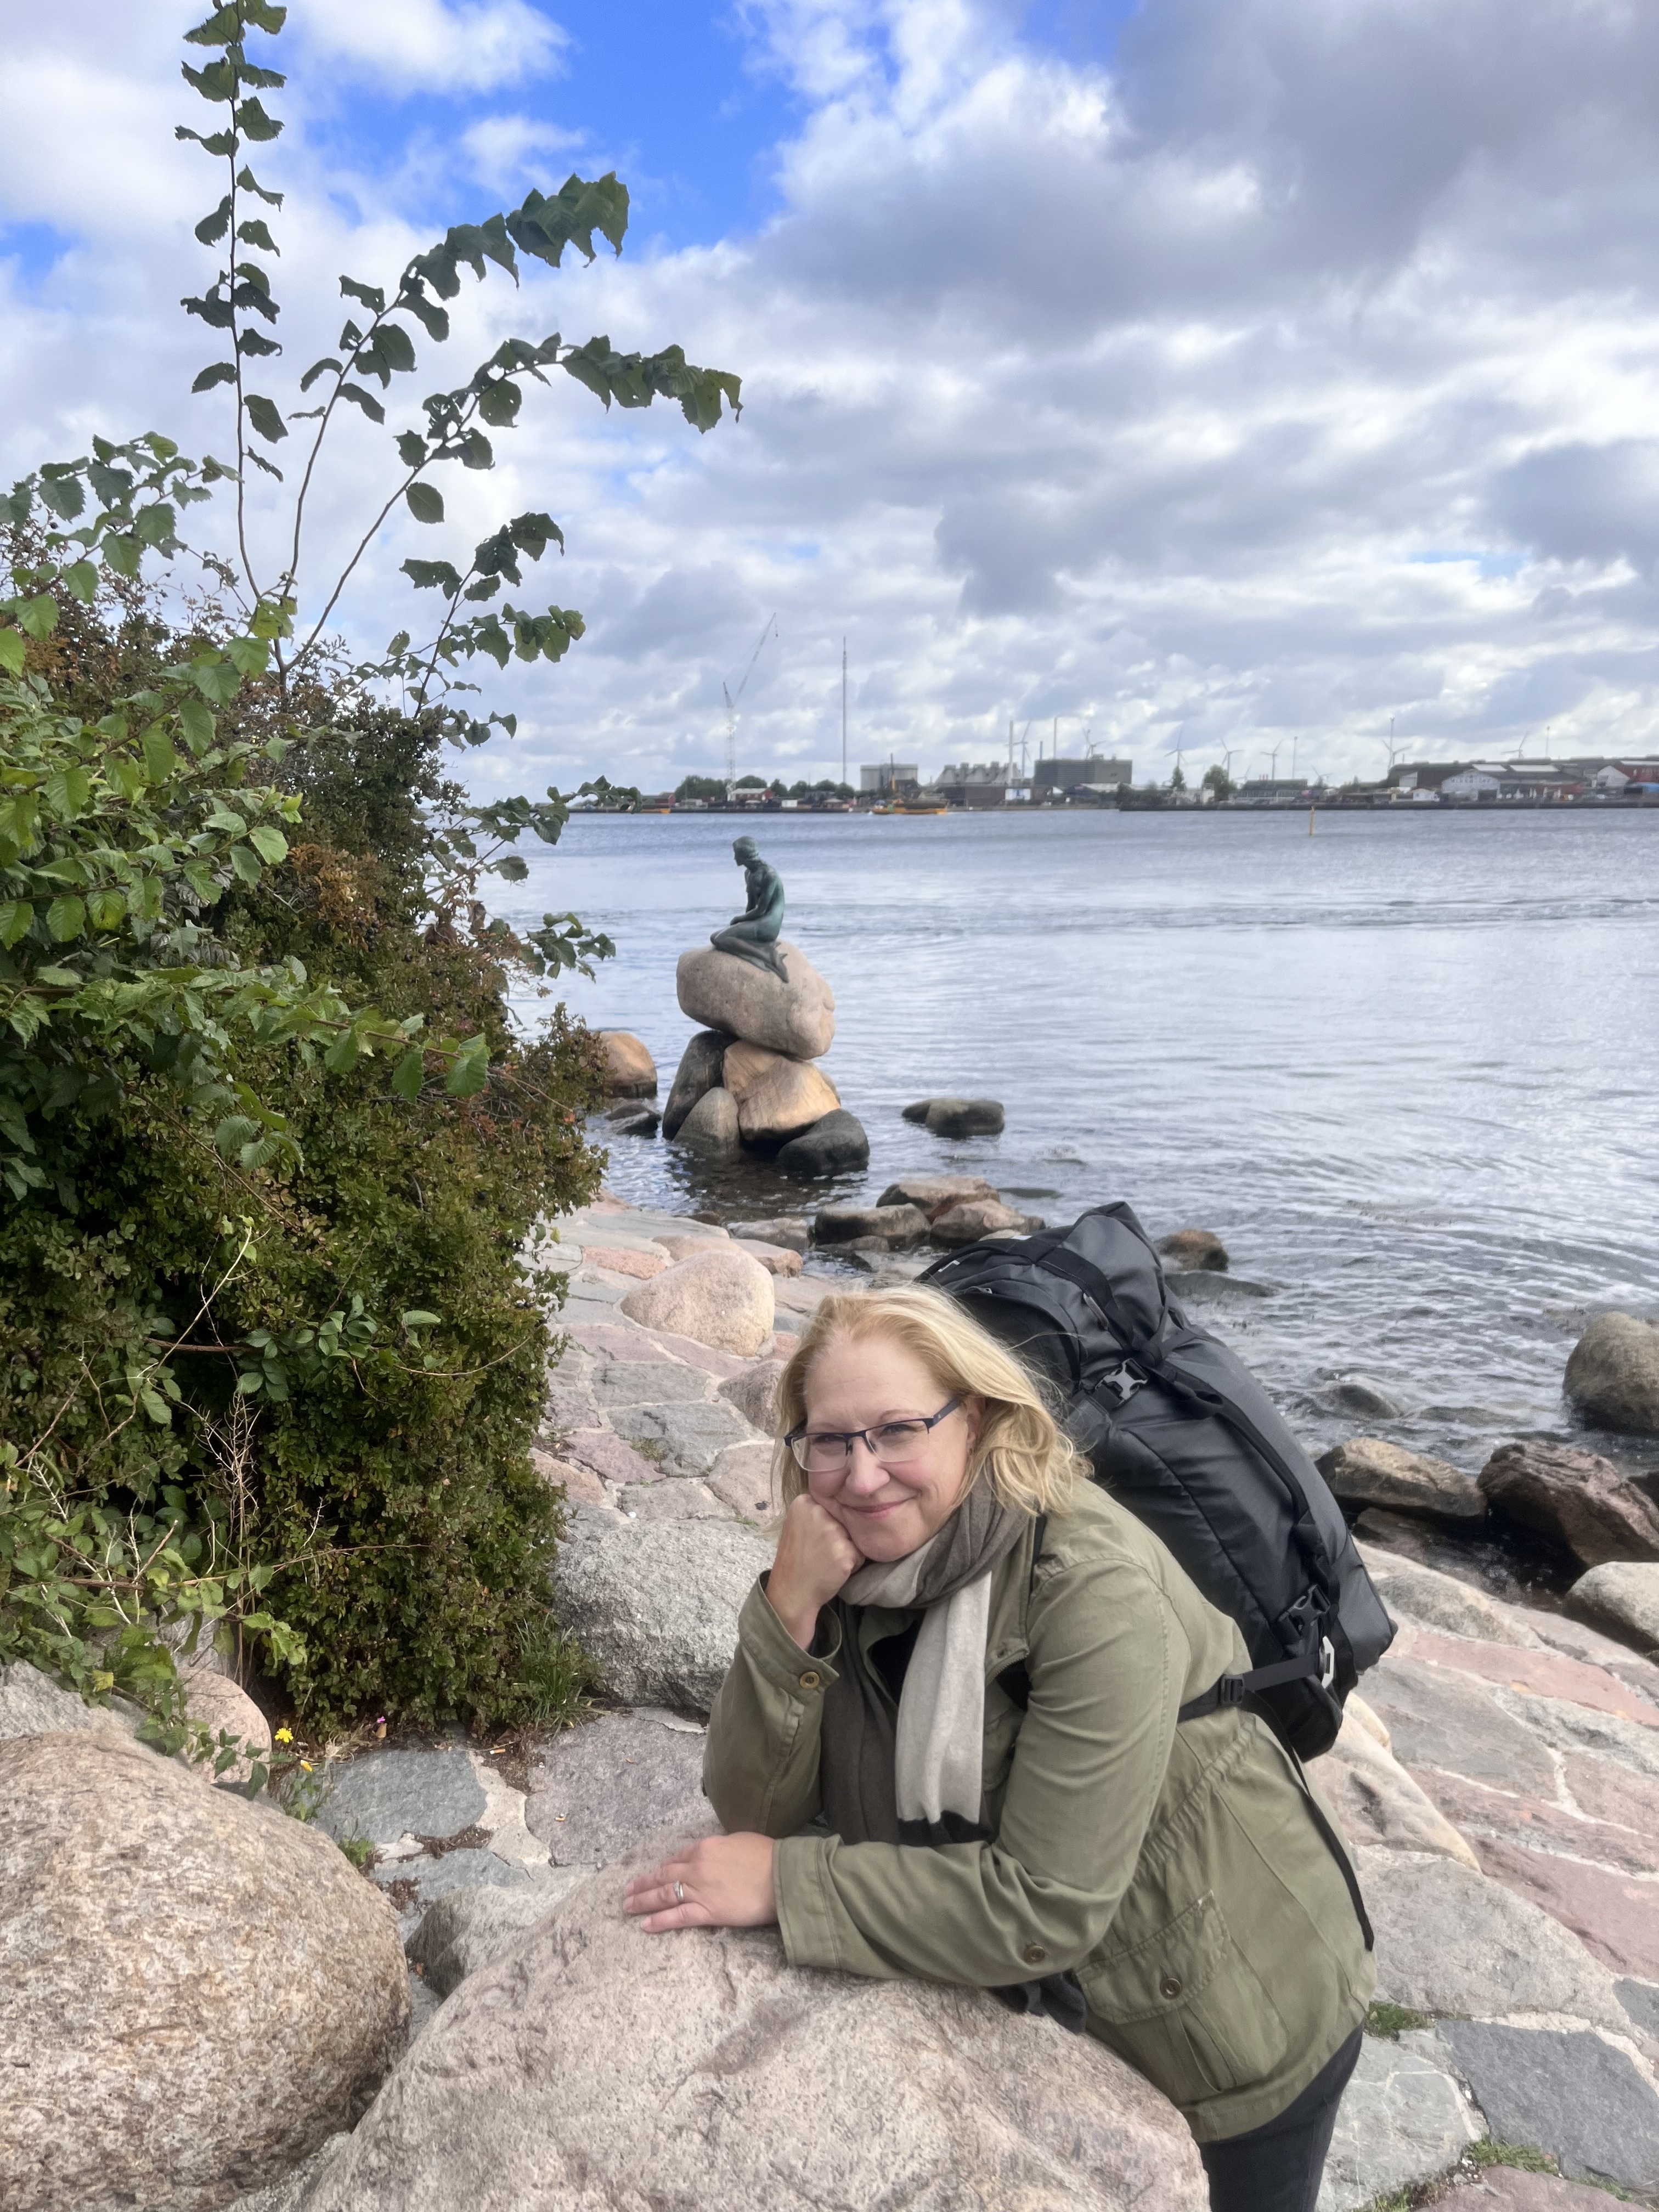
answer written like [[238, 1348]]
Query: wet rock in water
[[1612, 1375], [1622, 1597], [1402, 2120], [698, 1073], [835, 1146], [725, 993], [792, 1230], [1578, 1497], [971, 1219], [597, 1792], [885, 1226], [777, 1097], [655, 1603], [1359, 1393], [629, 1070], [721, 1297], [1199, 1248], [195, 1991], [712, 1127], [1366, 1471], [729, 2079], [466, 1930], [933, 1193], [958, 1117], [1568, 2092], [630, 1118]]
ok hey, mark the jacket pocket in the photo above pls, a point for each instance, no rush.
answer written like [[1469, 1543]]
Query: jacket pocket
[[1187, 2008]]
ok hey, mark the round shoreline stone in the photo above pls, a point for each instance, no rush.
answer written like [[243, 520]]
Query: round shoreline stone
[[724, 992]]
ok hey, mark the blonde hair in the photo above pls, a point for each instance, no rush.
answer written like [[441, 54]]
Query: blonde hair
[[1020, 1450]]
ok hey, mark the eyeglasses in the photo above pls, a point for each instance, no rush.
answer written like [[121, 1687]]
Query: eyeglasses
[[829, 1451]]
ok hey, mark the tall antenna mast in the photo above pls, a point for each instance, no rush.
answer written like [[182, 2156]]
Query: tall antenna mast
[[844, 710], [731, 698]]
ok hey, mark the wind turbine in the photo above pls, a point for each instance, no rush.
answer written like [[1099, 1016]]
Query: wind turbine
[[731, 698]]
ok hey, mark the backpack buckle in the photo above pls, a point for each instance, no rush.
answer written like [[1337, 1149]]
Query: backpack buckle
[[1328, 1655], [1123, 1381], [1231, 1690]]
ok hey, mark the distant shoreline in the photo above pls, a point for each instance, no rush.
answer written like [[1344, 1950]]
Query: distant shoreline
[[1334, 804]]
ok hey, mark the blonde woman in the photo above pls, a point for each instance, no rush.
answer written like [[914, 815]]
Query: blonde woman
[[947, 1747]]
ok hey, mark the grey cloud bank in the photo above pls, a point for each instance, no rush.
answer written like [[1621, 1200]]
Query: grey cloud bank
[[1294, 373]]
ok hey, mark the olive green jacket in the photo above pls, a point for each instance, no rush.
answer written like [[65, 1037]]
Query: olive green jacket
[[1176, 1869]]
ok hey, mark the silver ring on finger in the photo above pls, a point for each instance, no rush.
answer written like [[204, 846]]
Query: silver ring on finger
[[679, 1892]]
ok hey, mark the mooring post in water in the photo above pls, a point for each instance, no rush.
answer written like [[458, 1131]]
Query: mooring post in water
[[1312, 811]]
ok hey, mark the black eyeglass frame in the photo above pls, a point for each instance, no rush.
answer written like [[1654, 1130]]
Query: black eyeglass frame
[[850, 1437]]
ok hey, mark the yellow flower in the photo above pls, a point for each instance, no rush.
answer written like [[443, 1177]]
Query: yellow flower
[[284, 1735], [305, 1763]]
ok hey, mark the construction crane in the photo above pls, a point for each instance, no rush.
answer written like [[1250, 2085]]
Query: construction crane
[[731, 698]]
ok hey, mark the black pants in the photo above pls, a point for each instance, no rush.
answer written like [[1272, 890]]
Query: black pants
[[1279, 2167]]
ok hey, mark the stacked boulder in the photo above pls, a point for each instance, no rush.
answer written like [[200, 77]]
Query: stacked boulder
[[748, 1080]]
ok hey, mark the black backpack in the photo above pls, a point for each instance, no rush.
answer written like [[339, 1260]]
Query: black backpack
[[1181, 1433]]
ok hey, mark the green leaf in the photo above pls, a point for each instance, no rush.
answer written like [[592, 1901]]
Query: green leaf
[[200, 728], [62, 492], [393, 345], [157, 1407], [221, 29], [12, 652], [256, 343], [222, 372], [67, 793], [212, 227], [217, 680], [245, 863], [58, 979], [317, 369], [269, 843], [370, 405], [371, 294], [470, 1071], [411, 448], [80, 580], [123, 555], [426, 502], [342, 1055], [253, 123], [416, 1319], [263, 415], [38, 616], [498, 404], [16, 917], [254, 234], [424, 575], [249, 182], [66, 918], [409, 1074], [108, 909], [157, 525], [233, 1133], [511, 869]]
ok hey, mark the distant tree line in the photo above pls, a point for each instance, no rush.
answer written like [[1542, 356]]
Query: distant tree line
[[713, 787]]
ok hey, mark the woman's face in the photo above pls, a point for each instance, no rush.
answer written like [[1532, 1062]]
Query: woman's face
[[858, 1383]]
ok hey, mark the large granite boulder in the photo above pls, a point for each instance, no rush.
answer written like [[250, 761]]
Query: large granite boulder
[[971, 1219], [724, 992], [778, 1097], [720, 1297], [1622, 1597], [711, 1127], [195, 1991], [465, 1930], [1367, 1471], [596, 1792], [699, 1071], [1376, 1801], [592, 2068], [32, 1704], [629, 1070], [654, 1604], [1612, 1375], [835, 1146], [1579, 1498]]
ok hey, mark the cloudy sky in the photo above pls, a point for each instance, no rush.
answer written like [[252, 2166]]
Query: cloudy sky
[[1230, 377]]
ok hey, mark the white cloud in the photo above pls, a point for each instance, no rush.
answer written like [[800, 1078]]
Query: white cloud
[[1155, 398], [432, 45]]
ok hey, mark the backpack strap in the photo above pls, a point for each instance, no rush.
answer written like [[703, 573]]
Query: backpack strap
[[1332, 1841], [1015, 1681]]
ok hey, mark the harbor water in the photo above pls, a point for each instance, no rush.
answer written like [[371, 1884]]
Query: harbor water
[[1406, 1067]]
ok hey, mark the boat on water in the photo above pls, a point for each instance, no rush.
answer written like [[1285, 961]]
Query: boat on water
[[901, 807]]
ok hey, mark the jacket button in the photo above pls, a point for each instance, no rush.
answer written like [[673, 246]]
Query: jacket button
[[1170, 1986], [811, 1679], [1034, 1954]]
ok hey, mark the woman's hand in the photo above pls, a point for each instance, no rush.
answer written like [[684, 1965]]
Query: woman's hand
[[721, 1881], [816, 1555]]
